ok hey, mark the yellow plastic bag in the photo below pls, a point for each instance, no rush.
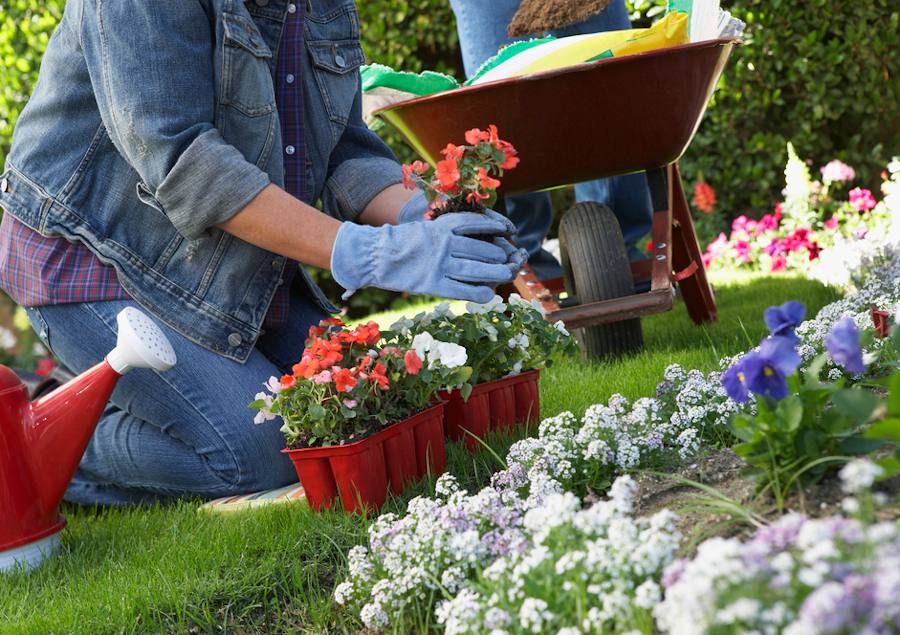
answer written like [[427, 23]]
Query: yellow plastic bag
[[556, 53]]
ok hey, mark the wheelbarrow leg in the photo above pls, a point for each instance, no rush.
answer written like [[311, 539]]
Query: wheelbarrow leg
[[686, 256]]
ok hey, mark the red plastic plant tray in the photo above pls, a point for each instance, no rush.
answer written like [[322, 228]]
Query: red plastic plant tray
[[361, 472], [493, 405], [583, 122]]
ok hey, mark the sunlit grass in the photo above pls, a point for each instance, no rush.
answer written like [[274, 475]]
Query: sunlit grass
[[173, 569]]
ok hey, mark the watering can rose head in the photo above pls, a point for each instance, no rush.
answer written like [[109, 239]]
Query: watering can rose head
[[466, 179], [349, 384]]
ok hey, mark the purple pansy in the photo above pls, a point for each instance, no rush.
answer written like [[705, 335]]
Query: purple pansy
[[782, 320], [766, 370], [735, 383], [844, 347]]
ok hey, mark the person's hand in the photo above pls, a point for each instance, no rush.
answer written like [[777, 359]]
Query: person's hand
[[440, 257]]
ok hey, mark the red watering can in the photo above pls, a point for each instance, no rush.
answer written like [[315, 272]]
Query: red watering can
[[41, 442]]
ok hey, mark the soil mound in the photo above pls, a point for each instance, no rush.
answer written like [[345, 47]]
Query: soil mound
[[538, 16]]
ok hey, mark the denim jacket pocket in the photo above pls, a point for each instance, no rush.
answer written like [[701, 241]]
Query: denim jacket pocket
[[246, 80], [336, 70]]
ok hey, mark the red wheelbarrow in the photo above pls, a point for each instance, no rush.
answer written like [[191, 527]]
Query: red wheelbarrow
[[598, 119]]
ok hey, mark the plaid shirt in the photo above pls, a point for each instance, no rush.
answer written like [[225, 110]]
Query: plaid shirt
[[36, 270]]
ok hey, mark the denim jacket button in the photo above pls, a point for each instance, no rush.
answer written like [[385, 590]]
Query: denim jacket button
[[4, 185], [276, 264], [340, 61], [235, 339]]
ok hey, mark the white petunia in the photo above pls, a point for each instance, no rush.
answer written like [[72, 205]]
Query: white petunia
[[264, 413], [560, 326], [859, 475]]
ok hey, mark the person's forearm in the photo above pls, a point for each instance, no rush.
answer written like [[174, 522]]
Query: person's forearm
[[281, 223], [385, 207]]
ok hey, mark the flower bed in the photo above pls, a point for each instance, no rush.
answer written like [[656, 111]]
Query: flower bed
[[815, 227], [441, 557]]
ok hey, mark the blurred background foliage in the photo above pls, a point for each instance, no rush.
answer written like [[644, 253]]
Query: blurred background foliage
[[820, 73]]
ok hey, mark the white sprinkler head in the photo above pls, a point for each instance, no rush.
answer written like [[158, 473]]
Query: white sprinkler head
[[141, 344]]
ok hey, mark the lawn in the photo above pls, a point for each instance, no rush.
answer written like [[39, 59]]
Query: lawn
[[173, 569]]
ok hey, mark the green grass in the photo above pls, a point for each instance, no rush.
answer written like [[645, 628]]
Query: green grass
[[173, 569]]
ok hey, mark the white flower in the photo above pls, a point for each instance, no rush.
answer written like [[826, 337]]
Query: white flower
[[342, 592], [495, 305], [859, 475], [273, 385], [402, 326], [516, 300], [442, 310], [560, 326], [7, 338], [850, 505], [647, 595], [449, 355], [422, 343], [264, 413]]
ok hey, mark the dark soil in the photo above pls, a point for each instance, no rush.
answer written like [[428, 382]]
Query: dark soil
[[539, 16], [723, 470]]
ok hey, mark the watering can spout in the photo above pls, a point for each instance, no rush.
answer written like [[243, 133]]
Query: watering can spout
[[41, 443]]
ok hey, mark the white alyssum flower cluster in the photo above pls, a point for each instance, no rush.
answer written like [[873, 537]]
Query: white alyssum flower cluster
[[593, 570], [795, 577]]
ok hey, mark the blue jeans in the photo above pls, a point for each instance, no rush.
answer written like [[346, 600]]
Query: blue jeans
[[481, 25], [187, 431]]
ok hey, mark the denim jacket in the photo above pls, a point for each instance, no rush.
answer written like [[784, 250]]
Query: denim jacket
[[152, 122]]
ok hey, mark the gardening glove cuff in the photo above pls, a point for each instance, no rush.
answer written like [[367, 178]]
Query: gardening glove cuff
[[414, 209]]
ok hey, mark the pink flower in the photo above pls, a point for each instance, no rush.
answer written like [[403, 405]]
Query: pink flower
[[831, 223], [837, 171], [350, 403], [322, 378], [778, 264], [768, 222], [862, 199], [742, 249]]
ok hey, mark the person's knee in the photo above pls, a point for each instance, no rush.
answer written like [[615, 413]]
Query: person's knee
[[257, 462]]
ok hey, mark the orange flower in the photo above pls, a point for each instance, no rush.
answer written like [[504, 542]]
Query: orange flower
[[377, 375], [475, 198], [306, 368], [486, 181], [475, 136], [447, 173], [453, 152], [416, 167], [704, 197], [287, 381], [344, 381], [413, 363], [512, 156], [493, 137], [332, 321]]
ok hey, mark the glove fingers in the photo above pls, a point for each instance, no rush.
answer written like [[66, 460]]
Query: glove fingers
[[464, 270], [500, 218], [480, 250], [469, 292], [472, 224], [514, 255]]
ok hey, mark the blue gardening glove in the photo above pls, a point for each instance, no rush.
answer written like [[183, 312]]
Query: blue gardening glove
[[416, 208], [439, 257]]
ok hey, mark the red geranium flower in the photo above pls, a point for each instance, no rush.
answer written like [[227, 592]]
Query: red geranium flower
[[416, 167], [704, 197], [475, 136], [306, 368], [45, 366], [344, 381], [486, 181], [453, 152], [512, 156], [378, 376], [412, 362], [288, 381], [447, 172]]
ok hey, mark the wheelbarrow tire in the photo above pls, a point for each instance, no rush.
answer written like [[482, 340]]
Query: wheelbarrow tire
[[596, 267]]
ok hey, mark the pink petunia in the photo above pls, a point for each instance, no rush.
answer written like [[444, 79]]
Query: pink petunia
[[837, 172], [862, 199]]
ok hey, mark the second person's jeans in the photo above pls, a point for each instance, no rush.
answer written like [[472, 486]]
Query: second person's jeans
[[482, 25]]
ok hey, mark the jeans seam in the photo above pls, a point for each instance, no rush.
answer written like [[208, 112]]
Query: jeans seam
[[89, 307]]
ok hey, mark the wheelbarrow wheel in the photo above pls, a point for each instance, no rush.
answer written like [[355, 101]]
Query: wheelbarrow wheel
[[596, 267]]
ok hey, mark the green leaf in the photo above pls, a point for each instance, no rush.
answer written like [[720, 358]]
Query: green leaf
[[891, 465], [859, 445], [888, 429], [855, 402], [466, 391], [893, 402], [790, 412], [317, 412]]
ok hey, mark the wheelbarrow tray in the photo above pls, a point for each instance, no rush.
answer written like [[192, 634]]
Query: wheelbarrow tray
[[587, 121]]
